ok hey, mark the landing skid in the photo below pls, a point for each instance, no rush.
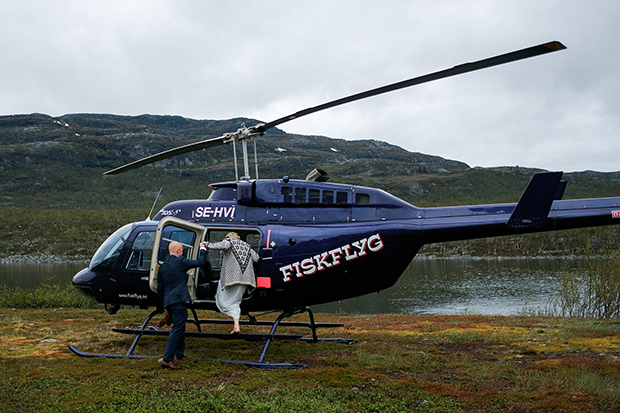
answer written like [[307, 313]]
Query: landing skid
[[108, 355], [261, 363]]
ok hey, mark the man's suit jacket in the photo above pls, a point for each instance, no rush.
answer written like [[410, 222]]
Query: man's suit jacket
[[172, 278]]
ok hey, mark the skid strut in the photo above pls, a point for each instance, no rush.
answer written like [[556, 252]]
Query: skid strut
[[261, 363], [131, 349], [268, 338]]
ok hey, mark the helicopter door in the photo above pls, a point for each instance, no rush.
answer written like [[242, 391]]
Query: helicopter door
[[207, 288], [187, 233]]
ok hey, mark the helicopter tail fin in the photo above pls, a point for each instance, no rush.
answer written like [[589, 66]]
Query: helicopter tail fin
[[559, 193], [535, 203]]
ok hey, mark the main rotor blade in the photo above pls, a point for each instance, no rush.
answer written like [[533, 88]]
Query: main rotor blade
[[168, 154], [456, 70]]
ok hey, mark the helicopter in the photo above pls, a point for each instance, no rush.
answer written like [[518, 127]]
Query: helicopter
[[318, 241]]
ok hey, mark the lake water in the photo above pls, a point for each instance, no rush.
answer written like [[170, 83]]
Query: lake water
[[29, 275], [428, 286], [463, 286]]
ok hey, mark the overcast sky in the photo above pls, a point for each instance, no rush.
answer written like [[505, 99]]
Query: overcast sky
[[266, 59]]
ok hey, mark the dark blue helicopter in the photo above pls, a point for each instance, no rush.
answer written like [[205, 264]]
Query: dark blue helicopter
[[318, 241]]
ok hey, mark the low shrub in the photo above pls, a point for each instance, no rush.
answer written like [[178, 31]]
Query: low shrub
[[592, 292]]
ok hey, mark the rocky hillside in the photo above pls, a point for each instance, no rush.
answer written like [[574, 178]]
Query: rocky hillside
[[58, 162]]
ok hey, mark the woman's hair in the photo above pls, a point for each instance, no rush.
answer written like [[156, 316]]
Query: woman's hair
[[233, 234]]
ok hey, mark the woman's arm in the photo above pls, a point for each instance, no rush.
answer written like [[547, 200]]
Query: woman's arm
[[222, 245]]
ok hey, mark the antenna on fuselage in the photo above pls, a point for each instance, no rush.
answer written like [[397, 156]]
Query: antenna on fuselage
[[153, 207]]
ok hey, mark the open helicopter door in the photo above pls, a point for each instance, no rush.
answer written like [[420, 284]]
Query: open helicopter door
[[187, 233], [209, 279]]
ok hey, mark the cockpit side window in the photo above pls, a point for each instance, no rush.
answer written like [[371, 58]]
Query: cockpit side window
[[141, 252]]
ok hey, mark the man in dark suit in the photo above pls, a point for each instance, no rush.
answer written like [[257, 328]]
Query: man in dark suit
[[172, 289]]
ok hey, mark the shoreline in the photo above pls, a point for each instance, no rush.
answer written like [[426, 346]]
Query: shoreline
[[42, 258]]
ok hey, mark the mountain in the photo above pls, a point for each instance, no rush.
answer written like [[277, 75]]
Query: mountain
[[58, 162]]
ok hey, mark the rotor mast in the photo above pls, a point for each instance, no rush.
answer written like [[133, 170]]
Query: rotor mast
[[242, 135]]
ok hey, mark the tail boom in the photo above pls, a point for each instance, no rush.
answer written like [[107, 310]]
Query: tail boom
[[484, 221]]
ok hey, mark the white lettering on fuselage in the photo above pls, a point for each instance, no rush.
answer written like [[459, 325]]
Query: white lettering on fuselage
[[133, 295], [170, 212], [217, 212], [332, 258]]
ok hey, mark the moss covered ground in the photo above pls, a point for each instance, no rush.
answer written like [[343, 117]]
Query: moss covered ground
[[398, 363]]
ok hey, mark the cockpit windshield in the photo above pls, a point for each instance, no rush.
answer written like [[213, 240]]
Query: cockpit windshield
[[106, 256]]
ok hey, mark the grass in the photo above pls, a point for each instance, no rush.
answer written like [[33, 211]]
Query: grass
[[47, 295], [399, 363]]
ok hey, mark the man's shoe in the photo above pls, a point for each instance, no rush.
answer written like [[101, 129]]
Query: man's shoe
[[169, 365], [182, 358]]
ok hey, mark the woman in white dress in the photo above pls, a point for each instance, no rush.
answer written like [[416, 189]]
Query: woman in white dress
[[236, 274]]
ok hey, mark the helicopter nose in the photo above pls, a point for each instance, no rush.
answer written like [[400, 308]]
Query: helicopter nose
[[82, 281]]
